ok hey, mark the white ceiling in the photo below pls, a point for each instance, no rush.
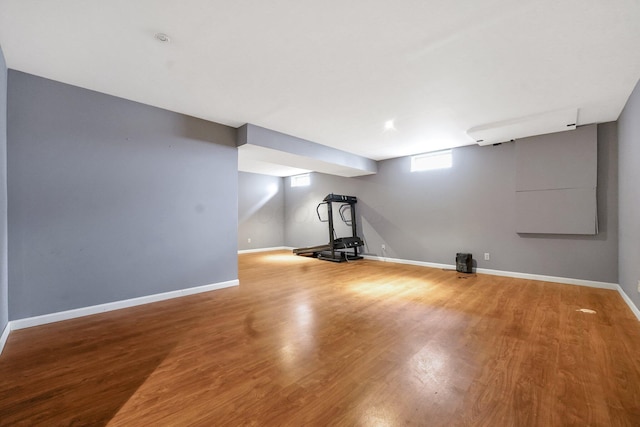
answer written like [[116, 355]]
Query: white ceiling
[[334, 72]]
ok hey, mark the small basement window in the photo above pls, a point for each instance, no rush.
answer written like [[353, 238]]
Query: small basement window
[[300, 180], [429, 161]]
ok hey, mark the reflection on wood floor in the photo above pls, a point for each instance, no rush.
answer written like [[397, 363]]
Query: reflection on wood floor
[[303, 342]]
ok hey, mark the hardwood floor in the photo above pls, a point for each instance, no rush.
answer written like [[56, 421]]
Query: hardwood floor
[[303, 342]]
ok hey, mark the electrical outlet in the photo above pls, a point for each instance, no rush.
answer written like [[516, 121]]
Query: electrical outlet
[[638, 285], [487, 257], [249, 240], [384, 247]]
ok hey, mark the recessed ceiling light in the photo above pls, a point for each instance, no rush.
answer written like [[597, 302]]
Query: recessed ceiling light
[[162, 37], [389, 125]]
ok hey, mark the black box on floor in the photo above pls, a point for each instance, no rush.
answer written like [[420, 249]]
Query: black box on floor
[[464, 263]]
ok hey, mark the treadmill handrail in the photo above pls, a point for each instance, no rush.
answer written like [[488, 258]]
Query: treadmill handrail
[[341, 210], [318, 212]]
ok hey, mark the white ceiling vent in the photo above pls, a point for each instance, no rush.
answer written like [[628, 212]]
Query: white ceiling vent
[[538, 124]]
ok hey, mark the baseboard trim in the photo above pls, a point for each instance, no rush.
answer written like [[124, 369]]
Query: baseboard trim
[[116, 305], [409, 262], [554, 279], [515, 275], [4, 336], [277, 248], [630, 303]]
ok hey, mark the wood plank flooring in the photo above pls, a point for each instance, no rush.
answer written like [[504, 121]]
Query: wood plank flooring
[[303, 342]]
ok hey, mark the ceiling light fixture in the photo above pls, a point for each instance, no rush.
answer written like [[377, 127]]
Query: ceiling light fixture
[[162, 37]]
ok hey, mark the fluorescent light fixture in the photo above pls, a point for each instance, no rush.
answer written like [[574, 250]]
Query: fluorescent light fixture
[[522, 127], [428, 161], [301, 180]]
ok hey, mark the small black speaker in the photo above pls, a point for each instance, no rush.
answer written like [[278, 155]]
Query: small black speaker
[[464, 263]]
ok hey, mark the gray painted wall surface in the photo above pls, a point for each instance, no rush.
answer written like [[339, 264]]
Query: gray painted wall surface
[[431, 215], [629, 140], [260, 211], [110, 199], [4, 293]]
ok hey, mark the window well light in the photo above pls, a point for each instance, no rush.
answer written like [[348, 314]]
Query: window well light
[[301, 180], [428, 161]]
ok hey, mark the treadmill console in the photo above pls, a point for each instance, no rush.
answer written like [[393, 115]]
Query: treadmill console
[[338, 198]]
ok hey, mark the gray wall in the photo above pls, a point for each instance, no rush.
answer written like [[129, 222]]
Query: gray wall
[[260, 211], [110, 199], [4, 304], [431, 215], [629, 140]]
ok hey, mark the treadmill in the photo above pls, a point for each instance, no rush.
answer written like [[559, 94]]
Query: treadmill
[[338, 249]]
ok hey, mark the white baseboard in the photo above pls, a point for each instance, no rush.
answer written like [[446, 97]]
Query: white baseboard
[[409, 262], [4, 336], [116, 305], [277, 248], [516, 275], [630, 303], [86, 311], [555, 279]]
